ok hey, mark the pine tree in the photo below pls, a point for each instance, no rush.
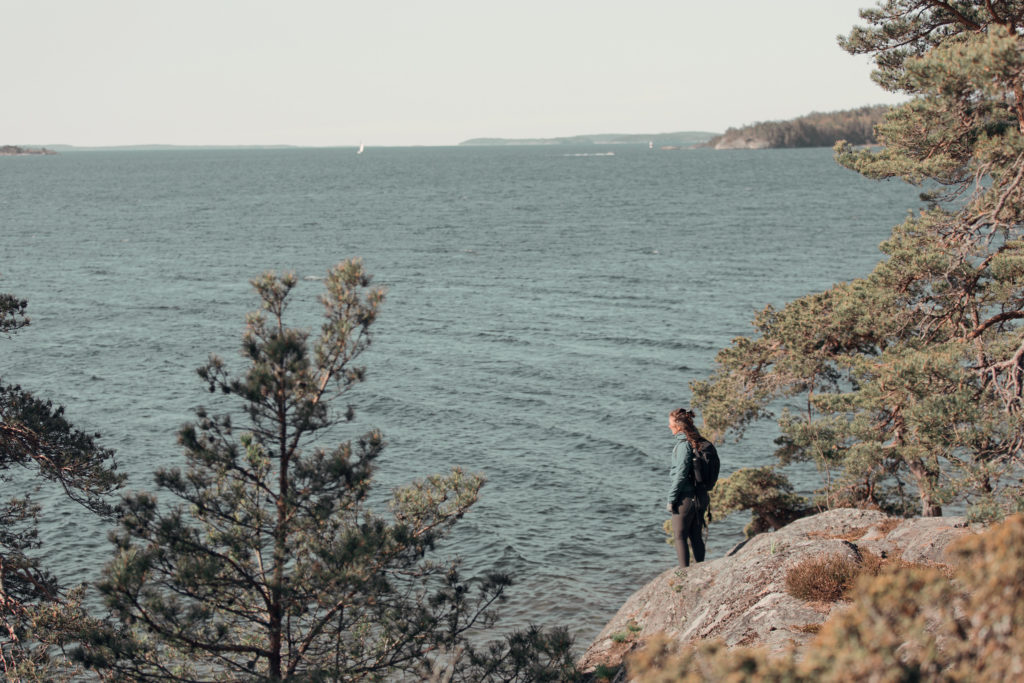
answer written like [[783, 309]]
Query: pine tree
[[913, 375], [38, 615], [958, 267], [273, 565]]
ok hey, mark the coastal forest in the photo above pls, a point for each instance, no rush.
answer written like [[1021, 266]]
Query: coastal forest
[[261, 558], [856, 126]]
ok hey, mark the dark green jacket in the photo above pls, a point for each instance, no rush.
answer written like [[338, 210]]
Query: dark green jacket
[[682, 471]]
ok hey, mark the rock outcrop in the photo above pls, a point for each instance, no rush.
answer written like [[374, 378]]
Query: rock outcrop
[[741, 598], [741, 142]]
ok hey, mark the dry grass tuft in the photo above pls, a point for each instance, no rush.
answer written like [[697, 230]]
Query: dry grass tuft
[[873, 565], [829, 578], [825, 578]]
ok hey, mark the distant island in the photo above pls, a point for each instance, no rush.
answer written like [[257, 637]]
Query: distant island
[[856, 126], [15, 151], [660, 140]]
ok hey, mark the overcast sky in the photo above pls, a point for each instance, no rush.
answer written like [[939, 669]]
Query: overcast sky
[[426, 72]]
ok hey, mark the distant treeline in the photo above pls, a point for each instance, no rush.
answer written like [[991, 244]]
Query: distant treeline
[[856, 126], [14, 150]]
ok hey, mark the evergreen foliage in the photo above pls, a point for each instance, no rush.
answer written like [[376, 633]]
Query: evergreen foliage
[[38, 615], [909, 380], [766, 492], [272, 565]]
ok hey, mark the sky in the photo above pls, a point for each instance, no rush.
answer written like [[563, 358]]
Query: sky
[[403, 72]]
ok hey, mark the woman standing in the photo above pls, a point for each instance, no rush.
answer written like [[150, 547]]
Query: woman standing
[[686, 501]]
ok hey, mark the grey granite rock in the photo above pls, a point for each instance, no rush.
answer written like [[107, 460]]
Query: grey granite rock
[[741, 598], [742, 143]]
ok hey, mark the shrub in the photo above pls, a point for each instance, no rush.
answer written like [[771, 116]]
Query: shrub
[[632, 628], [834, 577], [823, 578], [764, 491], [605, 673]]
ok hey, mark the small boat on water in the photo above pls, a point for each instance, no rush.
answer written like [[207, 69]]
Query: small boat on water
[[360, 150]]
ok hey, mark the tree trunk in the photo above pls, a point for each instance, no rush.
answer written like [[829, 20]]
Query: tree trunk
[[926, 480]]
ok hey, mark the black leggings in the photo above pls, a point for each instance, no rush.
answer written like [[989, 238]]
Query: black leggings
[[688, 523]]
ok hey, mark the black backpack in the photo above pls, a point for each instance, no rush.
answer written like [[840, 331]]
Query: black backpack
[[705, 466]]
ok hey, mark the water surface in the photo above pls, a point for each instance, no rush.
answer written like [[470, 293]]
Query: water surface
[[545, 312]]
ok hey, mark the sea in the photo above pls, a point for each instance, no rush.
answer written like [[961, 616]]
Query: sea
[[546, 308]]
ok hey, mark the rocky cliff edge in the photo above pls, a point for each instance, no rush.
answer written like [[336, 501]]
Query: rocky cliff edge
[[741, 598]]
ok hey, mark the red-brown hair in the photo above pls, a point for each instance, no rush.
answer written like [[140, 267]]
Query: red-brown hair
[[684, 418]]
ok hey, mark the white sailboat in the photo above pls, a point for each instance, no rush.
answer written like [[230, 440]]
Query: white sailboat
[[360, 150]]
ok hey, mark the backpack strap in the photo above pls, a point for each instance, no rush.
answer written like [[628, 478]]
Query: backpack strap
[[700, 487], [696, 457]]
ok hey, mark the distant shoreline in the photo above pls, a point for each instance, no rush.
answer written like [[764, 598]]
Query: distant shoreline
[[660, 140], [16, 151], [168, 148]]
